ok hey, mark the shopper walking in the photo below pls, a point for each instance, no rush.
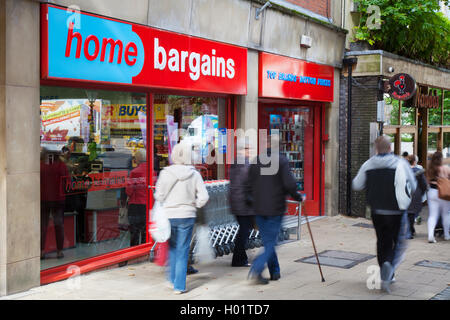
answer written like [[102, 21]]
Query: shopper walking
[[389, 184], [416, 205], [136, 191], [240, 202], [269, 193], [180, 189], [437, 206]]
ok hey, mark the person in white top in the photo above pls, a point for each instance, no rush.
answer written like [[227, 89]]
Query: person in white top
[[180, 189], [436, 205]]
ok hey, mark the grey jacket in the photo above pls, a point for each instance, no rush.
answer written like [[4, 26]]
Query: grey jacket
[[389, 183]]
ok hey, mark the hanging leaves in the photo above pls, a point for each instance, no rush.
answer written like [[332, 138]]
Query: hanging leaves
[[410, 28]]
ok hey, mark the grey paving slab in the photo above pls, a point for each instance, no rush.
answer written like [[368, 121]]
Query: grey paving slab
[[433, 264], [363, 225], [444, 295], [329, 261]]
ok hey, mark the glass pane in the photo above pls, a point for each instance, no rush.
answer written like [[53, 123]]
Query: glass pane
[[447, 108], [391, 110], [432, 142], [434, 114], [93, 173], [196, 119], [407, 143], [408, 116], [295, 125]]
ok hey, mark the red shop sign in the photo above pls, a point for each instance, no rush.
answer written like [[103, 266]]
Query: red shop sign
[[90, 48], [289, 78]]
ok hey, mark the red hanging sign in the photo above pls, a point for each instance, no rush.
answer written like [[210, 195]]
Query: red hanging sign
[[289, 78]]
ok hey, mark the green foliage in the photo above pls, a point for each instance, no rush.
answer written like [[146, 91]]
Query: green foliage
[[409, 28]]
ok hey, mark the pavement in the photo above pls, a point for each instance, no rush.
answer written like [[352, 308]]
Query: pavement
[[299, 281]]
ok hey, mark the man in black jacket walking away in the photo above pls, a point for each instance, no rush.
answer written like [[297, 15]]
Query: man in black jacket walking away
[[269, 190], [240, 202], [389, 184]]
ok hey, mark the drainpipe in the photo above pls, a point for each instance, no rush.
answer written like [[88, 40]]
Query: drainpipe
[[349, 62]]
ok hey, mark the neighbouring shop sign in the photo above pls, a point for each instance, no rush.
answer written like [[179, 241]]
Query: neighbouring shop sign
[[426, 98], [402, 86], [91, 48], [289, 78]]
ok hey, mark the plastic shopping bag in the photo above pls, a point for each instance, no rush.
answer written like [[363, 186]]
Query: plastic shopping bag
[[204, 252], [159, 223]]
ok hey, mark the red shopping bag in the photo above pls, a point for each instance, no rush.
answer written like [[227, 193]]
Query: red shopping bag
[[162, 254]]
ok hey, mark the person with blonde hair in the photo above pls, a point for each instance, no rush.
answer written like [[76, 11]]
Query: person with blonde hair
[[181, 190], [437, 206]]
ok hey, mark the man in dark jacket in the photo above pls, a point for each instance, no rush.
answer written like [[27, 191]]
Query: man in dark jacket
[[389, 183], [240, 202], [269, 193]]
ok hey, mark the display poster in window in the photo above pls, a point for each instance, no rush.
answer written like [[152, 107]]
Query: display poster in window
[[65, 118]]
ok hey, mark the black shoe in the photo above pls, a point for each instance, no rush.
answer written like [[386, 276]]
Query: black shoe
[[275, 276], [241, 265], [191, 270]]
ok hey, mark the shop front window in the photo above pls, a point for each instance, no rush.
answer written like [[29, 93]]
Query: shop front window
[[93, 173], [199, 120]]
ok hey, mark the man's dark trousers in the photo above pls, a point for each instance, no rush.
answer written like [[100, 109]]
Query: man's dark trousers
[[246, 224], [269, 228], [387, 228]]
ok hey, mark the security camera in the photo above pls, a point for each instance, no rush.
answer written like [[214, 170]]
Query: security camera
[[391, 69]]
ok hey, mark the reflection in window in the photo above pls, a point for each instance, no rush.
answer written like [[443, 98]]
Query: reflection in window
[[93, 173]]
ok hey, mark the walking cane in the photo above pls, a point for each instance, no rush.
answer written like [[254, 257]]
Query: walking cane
[[314, 246]]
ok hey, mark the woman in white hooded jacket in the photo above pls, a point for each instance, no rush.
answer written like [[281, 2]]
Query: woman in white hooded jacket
[[180, 189]]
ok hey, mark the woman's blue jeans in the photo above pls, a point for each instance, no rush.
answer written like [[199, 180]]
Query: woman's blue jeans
[[179, 245]]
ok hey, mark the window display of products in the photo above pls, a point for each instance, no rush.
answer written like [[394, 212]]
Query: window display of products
[[106, 173], [195, 119], [294, 125], [291, 128]]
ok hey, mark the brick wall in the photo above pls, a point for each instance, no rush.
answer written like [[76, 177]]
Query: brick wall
[[364, 111], [322, 7]]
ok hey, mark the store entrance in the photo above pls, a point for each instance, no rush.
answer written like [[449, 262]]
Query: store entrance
[[299, 127]]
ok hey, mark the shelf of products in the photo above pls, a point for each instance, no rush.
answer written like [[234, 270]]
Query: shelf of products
[[292, 132]]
